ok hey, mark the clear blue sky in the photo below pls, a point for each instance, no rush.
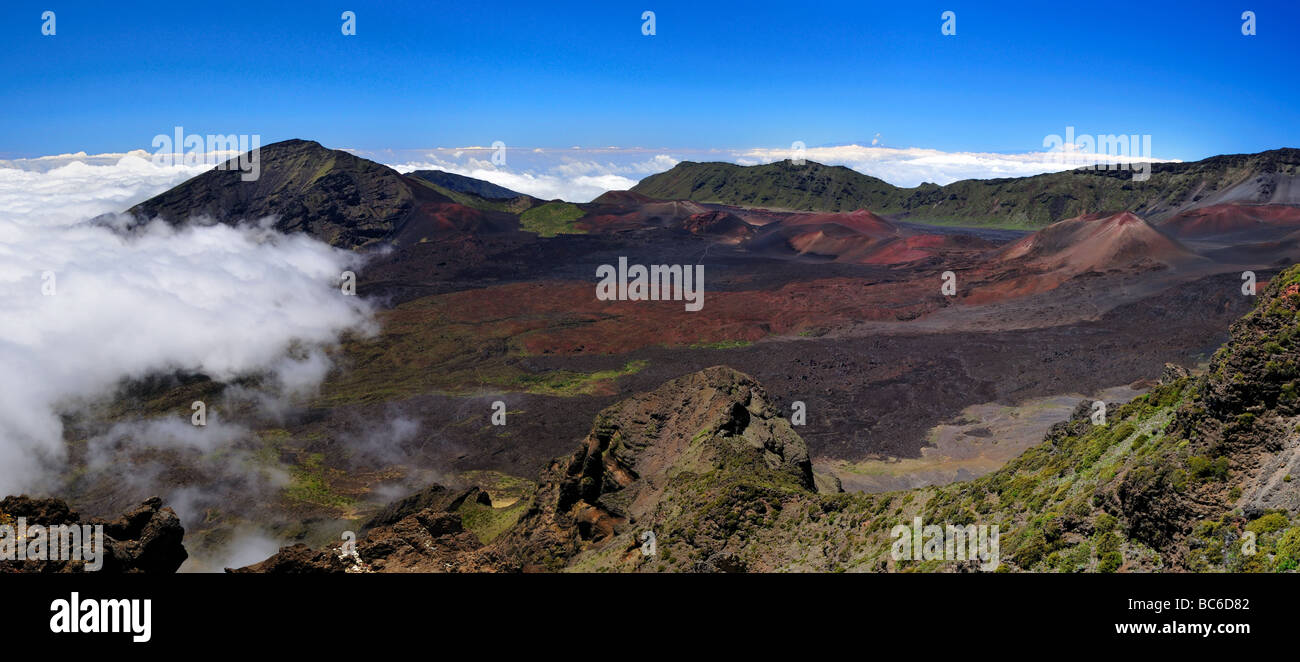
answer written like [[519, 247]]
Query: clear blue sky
[[717, 75]]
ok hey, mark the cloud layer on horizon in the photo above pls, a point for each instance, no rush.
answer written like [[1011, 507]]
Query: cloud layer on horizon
[[913, 166], [581, 174]]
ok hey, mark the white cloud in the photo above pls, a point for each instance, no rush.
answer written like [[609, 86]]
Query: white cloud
[[215, 299], [545, 175], [63, 190]]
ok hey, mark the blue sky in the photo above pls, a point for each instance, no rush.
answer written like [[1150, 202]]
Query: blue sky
[[717, 75]]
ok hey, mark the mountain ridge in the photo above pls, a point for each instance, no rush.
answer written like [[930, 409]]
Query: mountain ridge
[[1021, 202]]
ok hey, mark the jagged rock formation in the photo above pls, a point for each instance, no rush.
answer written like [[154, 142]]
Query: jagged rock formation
[[147, 539], [420, 533], [717, 424]]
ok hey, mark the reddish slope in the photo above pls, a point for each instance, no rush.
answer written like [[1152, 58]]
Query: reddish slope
[[859, 222], [846, 237], [1096, 243], [1233, 219], [1091, 243], [436, 217], [862, 237], [728, 227]]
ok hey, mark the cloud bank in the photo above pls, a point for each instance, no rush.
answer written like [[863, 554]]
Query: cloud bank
[[575, 176], [84, 306]]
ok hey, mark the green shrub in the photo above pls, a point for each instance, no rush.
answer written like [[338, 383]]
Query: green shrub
[[1268, 523]]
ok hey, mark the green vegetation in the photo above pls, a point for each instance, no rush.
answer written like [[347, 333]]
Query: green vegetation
[[568, 384], [486, 522], [309, 484], [722, 344], [552, 218]]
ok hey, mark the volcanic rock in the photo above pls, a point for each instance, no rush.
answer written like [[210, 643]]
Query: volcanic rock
[[146, 539]]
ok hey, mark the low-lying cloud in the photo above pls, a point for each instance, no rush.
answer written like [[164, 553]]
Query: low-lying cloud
[[85, 306], [575, 177]]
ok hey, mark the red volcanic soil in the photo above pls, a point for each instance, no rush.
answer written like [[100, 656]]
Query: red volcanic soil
[[1091, 243], [441, 220], [564, 317], [1229, 219], [860, 222], [718, 224], [862, 237], [437, 217], [910, 249], [844, 237], [1096, 243]]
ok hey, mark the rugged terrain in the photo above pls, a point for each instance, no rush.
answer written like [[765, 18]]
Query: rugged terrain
[[486, 295], [704, 474], [145, 539]]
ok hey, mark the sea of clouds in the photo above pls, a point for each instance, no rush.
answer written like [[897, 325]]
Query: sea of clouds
[[83, 306]]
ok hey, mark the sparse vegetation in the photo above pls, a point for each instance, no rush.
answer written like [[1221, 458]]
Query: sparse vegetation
[[552, 218]]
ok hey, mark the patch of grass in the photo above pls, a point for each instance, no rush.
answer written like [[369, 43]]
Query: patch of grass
[[552, 218], [568, 384], [722, 344], [486, 522], [308, 484], [502, 487]]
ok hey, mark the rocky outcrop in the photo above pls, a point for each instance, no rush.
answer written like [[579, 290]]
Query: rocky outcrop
[[718, 223], [435, 497], [420, 533], [146, 539], [718, 423], [1172, 373]]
